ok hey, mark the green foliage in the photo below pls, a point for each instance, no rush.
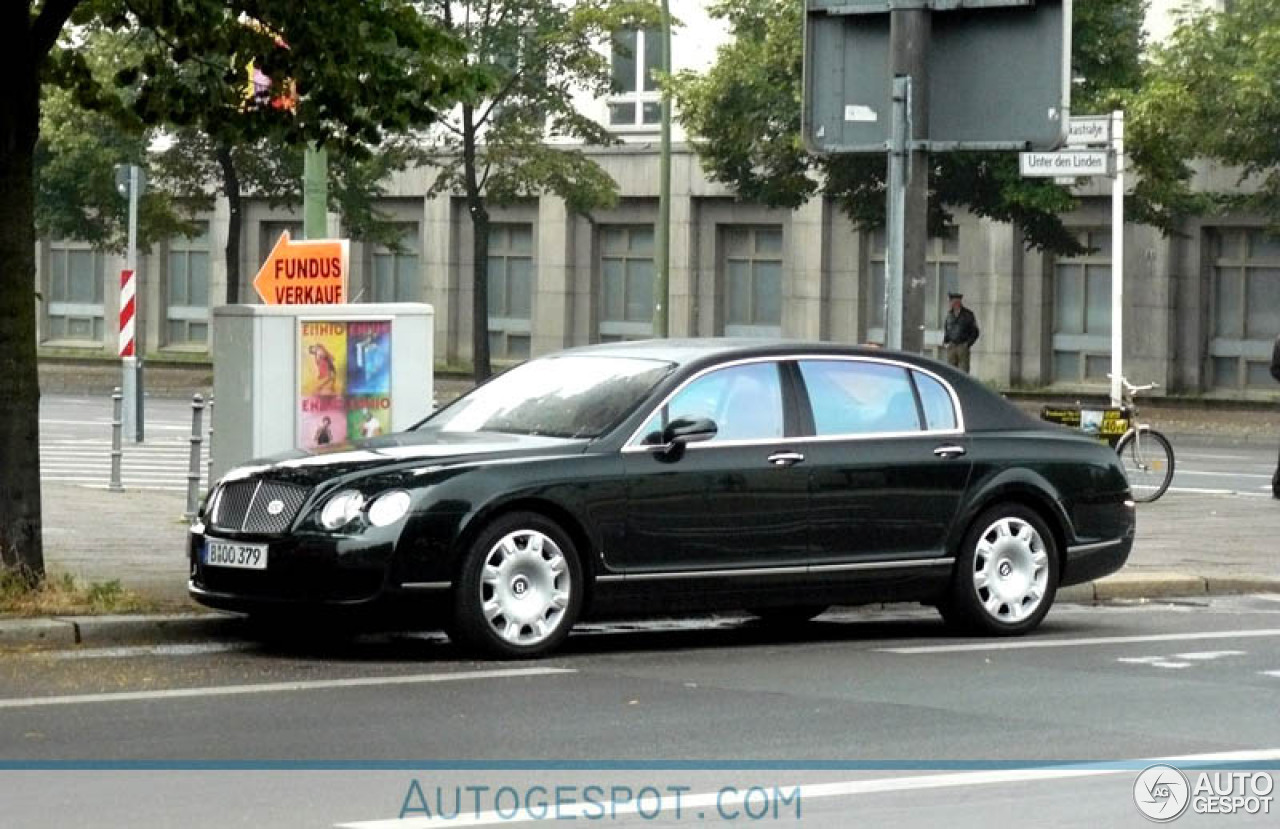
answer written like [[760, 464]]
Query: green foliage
[[1212, 93], [536, 58], [743, 117]]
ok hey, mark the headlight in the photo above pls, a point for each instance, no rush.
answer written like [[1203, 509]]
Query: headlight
[[341, 509], [389, 507]]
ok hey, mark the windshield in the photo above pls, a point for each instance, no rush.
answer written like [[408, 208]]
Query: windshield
[[569, 397]]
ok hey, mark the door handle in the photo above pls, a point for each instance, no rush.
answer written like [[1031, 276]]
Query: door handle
[[785, 458], [949, 451]]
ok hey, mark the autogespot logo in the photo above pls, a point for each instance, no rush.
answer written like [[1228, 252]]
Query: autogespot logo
[[1162, 793]]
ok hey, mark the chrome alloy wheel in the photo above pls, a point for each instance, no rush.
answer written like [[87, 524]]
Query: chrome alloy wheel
[[1010, 570], [525, 587]]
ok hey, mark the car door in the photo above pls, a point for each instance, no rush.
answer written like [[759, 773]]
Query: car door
[[888, 460], [737, 501]]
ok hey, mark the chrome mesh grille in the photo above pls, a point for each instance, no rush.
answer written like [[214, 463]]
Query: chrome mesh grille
[[245, 506]]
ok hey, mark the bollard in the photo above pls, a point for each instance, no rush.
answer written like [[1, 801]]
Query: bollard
[[117, 432], [193, 470], [209, 448]]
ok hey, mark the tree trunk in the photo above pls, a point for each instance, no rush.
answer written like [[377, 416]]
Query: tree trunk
[[479, 249], [231, 188], [20, 540]]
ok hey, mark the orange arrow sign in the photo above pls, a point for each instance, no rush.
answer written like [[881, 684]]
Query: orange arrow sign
[[313, 272]]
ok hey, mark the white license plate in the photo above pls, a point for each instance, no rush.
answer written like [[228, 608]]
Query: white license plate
[[235, 554]]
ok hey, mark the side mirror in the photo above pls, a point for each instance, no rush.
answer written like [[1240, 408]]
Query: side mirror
[[683, 430]]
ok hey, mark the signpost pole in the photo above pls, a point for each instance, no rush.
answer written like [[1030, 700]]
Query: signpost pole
[[1117, 257], [895, 214], [910, 31], [131, 331]]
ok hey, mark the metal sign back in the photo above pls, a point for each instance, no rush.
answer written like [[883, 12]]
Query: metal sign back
[[999, 76]]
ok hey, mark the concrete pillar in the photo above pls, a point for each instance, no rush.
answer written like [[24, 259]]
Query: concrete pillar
[[992, 280], [805, 287], [681, 286], [553, 284], [440, 272]]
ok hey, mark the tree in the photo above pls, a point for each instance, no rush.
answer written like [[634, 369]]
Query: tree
[[354, 56], [1211, 93], [503, 143], [744, 119]]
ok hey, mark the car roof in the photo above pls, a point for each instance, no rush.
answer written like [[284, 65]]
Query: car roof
[[983, 408], [698, 349]]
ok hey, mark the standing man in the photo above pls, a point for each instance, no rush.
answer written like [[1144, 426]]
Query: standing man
[[959, 332]]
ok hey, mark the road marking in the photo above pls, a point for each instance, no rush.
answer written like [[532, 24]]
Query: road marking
[[1275, 674], [1188, 490], [1028, 644], [1199, 656], [280, 687], [1222, 474], [1153, 661], [815, 791]]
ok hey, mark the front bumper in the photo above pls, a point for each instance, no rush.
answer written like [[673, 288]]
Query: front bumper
[[302, 569]]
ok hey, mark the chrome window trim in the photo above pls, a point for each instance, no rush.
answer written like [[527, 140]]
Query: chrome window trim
[[632, 446], [426, 585]]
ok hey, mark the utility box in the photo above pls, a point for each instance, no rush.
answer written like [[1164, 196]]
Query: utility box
[[310, 376]]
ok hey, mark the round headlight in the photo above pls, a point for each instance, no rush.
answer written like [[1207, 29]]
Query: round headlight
[[341, 509], [389, 508]]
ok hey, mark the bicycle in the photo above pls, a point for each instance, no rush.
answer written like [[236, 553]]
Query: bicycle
[[1146, 454]]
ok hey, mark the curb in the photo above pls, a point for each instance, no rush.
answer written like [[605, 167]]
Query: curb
[[1138, 586], [99, 631], [95, 631]]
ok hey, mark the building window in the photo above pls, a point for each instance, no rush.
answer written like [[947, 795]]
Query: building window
[[76, 286], [1246, 307], [626, 282], [752, 265], [510, 290], [268, 235], [396, 271], [942, 276], [1082, 312], [187, 284], [635, 55]]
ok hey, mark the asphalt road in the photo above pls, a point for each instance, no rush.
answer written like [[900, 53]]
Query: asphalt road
[[879, 717]]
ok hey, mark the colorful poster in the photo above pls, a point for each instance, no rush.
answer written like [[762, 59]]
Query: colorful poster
[[345, 381]]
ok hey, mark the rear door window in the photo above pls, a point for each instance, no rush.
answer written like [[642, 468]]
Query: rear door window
[[858, 397]]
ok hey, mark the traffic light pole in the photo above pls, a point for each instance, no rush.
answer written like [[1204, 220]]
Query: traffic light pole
[[131, 379], [909, 33]]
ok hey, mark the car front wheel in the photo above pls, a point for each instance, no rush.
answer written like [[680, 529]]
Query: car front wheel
[[1007, 573], [520, 588]]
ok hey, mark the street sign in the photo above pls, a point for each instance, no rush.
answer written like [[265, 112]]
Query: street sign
[[311, 272], [998, 76], [1072, 163], [1089, 131]]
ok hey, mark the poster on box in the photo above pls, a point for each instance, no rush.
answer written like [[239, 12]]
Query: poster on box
[[344, 381]]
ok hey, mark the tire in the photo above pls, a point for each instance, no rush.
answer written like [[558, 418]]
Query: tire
[[520, 588], [1006, 576], [1147, 458], [789, 616]]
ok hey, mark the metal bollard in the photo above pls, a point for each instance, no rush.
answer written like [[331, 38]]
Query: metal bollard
[[208, 480], [193, 470], [117, 432]]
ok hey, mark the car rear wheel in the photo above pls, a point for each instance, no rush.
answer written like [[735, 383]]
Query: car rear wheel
[[1007, 574], [520, 588], [787, 616]]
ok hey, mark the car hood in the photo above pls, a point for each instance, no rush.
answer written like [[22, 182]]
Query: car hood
[[401, 450]]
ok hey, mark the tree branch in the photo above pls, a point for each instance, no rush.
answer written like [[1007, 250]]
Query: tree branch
[[48, 24]]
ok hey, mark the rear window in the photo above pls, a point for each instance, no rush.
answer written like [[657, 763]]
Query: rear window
[[854, 397], [939, 411]]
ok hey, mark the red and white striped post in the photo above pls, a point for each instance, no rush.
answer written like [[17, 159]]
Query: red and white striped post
[[128, 307], [131, 367]]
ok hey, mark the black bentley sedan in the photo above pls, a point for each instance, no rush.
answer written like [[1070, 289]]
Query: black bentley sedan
[[637, 478]]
